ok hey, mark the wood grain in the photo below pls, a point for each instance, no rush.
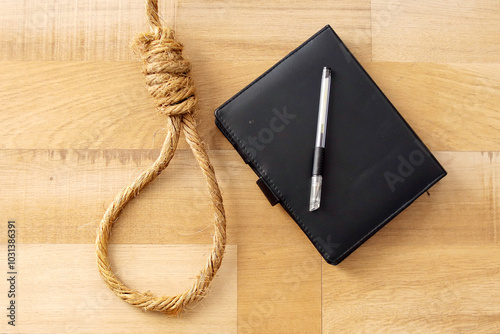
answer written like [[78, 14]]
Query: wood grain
[[452, 107], [279, 286], [448, 31], [60, 291], [73, 30], [286, 25], [101, 101], [74, 187], [77, 125], [403, 288]]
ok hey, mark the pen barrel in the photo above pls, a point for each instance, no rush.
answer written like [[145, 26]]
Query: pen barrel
[[324, 100], [319, 154]]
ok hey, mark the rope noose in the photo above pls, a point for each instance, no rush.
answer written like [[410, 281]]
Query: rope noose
[[168, 81]]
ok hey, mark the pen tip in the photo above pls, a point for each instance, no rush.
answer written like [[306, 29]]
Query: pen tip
[[313, 206], [315, 198]]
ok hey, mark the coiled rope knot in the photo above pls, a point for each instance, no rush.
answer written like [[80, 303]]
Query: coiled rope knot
[[166, 71]]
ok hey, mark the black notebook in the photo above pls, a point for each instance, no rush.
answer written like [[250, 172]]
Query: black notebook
[[374, 163]]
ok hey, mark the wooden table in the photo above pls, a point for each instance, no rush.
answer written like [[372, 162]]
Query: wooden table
[[78, 125]]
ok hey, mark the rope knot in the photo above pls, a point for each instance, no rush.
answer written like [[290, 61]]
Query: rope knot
[[166, 71], [168, 81]]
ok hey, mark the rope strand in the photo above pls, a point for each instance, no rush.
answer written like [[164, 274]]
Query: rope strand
[[172, 88]]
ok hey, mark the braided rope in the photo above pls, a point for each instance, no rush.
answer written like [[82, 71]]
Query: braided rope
[[169, 83]]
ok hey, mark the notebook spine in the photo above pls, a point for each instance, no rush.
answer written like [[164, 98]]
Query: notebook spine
[[266, 190]]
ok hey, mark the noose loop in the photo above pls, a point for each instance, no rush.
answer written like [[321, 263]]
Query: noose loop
[[172, 88]]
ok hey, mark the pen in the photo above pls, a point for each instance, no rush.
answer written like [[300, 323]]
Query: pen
[[319, 148]]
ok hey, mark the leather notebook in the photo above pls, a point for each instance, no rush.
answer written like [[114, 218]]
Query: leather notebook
[[374, 163]]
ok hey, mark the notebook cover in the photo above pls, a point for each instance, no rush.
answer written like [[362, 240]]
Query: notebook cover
[[374, 165]]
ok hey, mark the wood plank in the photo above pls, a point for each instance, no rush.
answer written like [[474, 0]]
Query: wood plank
[[60, 291], [104, 102], [279, 287], [448, 31], [267, 30], [87, 105], [402, 288], [73, 30], [59, 196], [446, 104], [102, 30]]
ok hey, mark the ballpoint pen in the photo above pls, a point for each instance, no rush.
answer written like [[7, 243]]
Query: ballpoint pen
[[319, 149]]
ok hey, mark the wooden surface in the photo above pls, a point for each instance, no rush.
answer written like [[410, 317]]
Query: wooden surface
[[77, 126]]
